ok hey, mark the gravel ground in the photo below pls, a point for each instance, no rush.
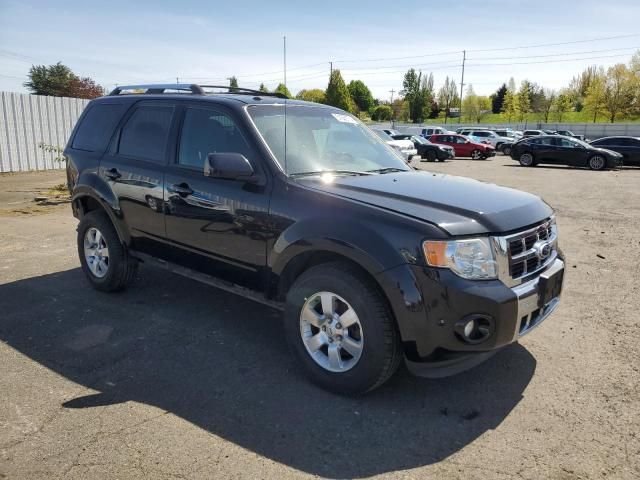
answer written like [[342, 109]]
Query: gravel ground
[[173, 379]]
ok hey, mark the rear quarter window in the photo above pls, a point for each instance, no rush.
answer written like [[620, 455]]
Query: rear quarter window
[[97, 126]]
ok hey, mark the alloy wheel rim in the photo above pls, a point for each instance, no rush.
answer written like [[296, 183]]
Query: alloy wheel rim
[[331, 332], [526, 159], [597, 162], [475, 154], [96, 252]]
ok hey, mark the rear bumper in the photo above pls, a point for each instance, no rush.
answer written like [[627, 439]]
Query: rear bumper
[[429, 305]]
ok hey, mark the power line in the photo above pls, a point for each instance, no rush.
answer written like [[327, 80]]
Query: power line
[[557, 54], [545, 61], [558, 44]]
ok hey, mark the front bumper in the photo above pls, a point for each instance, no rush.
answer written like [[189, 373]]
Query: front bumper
[[428, 314], [409, 152]]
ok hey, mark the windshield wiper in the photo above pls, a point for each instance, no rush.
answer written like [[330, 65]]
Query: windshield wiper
[[333, 172], [387, 170]]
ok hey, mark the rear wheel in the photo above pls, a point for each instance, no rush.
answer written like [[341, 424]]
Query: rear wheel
[[526, 160], [476, 154], [104, 259], [597, 162], [506, 149], [340, 328]]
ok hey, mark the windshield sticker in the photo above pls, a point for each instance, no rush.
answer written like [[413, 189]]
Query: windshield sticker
[[344, 118]]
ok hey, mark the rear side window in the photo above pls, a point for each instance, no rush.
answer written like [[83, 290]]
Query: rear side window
[[97, 126], [146, 133]]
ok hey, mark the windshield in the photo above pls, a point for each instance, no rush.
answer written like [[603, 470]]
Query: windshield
[[320, 139], [421, 140]]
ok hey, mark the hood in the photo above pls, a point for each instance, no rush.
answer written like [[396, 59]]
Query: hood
[[606, 151], [458, 205]]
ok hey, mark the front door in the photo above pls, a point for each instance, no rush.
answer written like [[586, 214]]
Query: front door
[[223, 222]]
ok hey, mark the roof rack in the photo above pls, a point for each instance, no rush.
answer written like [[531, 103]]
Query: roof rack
[[191, 88]]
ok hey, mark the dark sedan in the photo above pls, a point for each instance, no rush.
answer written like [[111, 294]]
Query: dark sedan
[[628, 147], [559, 150], [426, 149]]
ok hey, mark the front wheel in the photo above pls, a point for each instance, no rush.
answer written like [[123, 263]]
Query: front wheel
[[431, 156], [597, 162], [340, 328], [476, 155], [526, 160]]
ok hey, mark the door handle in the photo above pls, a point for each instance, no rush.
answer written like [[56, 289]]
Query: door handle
[[182, 189], [113, 174]]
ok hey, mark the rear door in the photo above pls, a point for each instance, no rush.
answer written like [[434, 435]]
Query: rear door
[[225, 223], [134, 169]]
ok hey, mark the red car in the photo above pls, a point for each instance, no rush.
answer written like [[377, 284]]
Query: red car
[[463, 146]]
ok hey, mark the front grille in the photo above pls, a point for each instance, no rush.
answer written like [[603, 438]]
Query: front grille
[[527, 251]]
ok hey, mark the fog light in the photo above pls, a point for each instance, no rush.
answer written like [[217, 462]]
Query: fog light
[[475, 328]]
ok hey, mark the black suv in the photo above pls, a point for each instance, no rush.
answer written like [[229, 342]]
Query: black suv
[[300, 206]]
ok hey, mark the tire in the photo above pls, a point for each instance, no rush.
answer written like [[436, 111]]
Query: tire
[[597, 162], [526, 160], [431, 156], [373, 331], [476, 154], [506, 149], [108, 272]]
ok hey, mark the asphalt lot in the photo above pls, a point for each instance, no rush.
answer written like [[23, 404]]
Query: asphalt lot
[[174, 379]]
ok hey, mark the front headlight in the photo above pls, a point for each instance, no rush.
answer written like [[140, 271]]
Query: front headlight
[[469, 258]]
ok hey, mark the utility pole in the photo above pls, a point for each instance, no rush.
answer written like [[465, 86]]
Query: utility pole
[[392, 91], [284, 44], [177, 80], [464, 58], [330, 69]]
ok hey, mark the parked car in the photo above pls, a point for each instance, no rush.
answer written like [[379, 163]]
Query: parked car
[[405, 147], [569, 133], [482, 135], [559, 150], [507, 132], [371, 261], [628, 147], [426, 132], [550, 132], [532, 133], [389, 132], [464, 147], [427, 150]]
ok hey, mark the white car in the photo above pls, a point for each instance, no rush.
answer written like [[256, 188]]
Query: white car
[[490, 136], [405, 147]]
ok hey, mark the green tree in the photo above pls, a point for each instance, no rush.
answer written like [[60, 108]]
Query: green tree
[[510, 106], [475, 107], [448, 97], [281, 88], [233, 82], [337, 93], [382, 113], [562, 105], [595, 96], [523, 100], [412, 93], [52, 80], [618, 91], [262, 88], [428, 96], [497, 99], [360, 95], [313, 95], [546, 104]]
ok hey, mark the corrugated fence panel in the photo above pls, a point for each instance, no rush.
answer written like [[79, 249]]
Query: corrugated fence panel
[[27, 121]]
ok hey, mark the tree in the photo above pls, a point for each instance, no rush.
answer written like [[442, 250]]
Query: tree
[[618, 91], [400, 110], [263, 88], [427, 93], [546, 104], [360, 95], [562, 105], [337, 93], [497, 99], [52, 80], [313, 95], [595, 95], [233, 82], [523, 100], [382, 112], [411, 93], [281, 88], [448, 97], [84, 88], [510, 106], [475, 107]]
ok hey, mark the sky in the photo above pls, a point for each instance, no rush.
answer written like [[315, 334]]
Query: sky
[[375, 41]]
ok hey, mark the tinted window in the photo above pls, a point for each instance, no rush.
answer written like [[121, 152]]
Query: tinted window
[[481, 134], [563, 142], [206, 131], [97, 126], [531, 132], [146, 132]]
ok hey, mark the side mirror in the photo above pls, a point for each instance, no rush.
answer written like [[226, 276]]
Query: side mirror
[[228, 165]]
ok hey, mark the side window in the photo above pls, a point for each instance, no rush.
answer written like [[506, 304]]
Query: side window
[[206, 131], [146, 133], [563, 142], [97, 126]]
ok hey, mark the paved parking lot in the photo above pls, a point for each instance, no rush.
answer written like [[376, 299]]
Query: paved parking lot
[[173, 379]]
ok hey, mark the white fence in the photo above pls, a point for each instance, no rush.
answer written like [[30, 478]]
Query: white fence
[[589, 130], [26, 121]]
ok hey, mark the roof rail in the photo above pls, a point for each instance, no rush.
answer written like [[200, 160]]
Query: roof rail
[[192, 88], [160, 88]]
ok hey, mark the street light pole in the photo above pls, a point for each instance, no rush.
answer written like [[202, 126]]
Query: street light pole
[[464, 57]]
